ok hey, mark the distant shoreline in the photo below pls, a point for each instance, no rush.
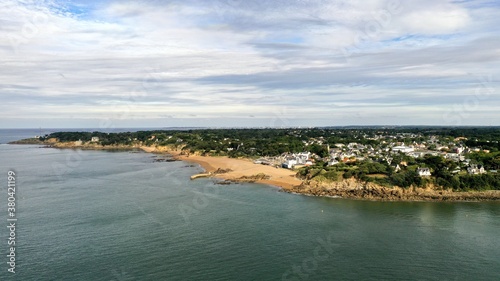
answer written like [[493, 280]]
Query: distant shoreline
[[244, 170]]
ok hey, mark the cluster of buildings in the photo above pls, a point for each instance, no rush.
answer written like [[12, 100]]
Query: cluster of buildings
[[345, 153], [295, 159]]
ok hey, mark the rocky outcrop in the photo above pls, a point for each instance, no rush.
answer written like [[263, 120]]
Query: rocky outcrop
[[92, 146], [253, 178], [355, 189], [221, 171], [77, 144], [27, 141]]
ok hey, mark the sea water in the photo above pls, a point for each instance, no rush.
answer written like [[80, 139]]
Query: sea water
[[98, 215]]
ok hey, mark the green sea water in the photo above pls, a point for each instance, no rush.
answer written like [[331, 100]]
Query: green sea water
[[97, 215]]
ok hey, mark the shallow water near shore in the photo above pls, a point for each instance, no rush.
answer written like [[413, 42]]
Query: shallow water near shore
[[97, 215]]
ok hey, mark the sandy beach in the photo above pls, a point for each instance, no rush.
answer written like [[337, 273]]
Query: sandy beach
[[242, 167], [239, 168]]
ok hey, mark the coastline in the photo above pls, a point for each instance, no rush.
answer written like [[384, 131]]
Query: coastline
[[244, 170], [236, 170]]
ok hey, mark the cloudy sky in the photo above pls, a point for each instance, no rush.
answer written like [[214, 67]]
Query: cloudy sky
[[281, 63]]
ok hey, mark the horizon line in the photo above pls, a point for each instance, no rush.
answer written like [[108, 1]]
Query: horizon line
[[256, 127]]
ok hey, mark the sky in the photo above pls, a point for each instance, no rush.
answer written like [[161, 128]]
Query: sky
[[248, 63]]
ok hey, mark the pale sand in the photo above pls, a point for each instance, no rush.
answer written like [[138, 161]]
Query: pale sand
[[280, 177], [148, 148]]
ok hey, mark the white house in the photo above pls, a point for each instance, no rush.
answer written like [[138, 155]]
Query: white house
[[476, 169], [352, 145], [302, 157], [454, 156], [403, 149], [424, 172], [94, 139], [289, 164], [397, 169]]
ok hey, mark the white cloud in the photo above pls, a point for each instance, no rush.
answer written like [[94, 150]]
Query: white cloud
[[311, 59], [441, 19]]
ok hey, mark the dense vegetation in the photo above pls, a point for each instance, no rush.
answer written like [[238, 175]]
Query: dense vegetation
[[234, 143]]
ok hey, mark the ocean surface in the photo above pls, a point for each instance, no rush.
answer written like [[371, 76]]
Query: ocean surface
[[97, 215]]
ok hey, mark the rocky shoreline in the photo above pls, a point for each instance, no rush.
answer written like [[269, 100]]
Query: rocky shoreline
[[28, 141], [72, 145], [349, 188], [354, 189]]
